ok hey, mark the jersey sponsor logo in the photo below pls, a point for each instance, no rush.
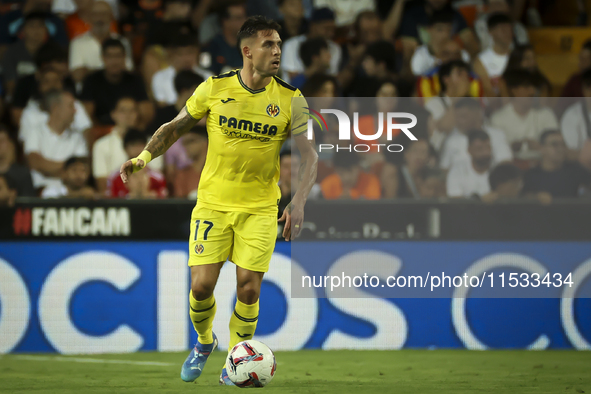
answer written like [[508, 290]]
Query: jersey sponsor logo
[[247, 125], [199, 248], [228, 100], [273, 110]]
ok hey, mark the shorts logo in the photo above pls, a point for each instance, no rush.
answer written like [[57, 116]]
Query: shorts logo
[[273, 110], [199, 248]]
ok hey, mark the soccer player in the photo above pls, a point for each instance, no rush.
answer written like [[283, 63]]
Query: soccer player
[[249, 116]]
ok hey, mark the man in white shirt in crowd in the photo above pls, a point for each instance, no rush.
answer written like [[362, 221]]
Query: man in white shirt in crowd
[[49, 145], [576, 123], [74, 181], [469, 178], [183, 54], [520, 119], [492, 62], [481, 28], [33, 116], [429, 55], [85, 50], [469, 115], [108, 152], [322, 24], [455, 83]]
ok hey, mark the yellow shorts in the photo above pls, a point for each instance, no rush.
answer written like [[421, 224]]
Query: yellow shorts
[[246, 239]]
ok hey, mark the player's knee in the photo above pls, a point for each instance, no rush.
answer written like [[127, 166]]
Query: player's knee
[[201, 291], [248, 292]]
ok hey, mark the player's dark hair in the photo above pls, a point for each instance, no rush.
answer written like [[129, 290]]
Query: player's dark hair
[[444, 16], [518, 78], [50, 52], [34, 16], [383, 52], [134, 136], [345, 159], [586, 78], [547, 133], [186, 79], [502, 173], [310, 48], [10, 182], [468, 102], [199, 130], [315, 82], [112, 43], [498, 18], [254, 24], [74, 160], [447, 68], [477, 135]]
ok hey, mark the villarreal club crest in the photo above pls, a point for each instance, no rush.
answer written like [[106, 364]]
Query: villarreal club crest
[[273, 110]]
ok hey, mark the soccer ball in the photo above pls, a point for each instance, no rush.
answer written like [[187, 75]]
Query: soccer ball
[[251, 364]]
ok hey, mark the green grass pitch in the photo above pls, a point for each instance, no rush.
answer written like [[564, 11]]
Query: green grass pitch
[[310, 371]]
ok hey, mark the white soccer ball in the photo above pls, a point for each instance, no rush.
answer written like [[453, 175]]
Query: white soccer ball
[[251, 364]]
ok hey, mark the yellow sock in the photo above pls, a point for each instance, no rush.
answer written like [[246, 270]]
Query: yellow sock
[[243, 322], [202, 314]]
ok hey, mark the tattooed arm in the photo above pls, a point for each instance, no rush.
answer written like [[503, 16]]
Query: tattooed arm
[[163, 138]]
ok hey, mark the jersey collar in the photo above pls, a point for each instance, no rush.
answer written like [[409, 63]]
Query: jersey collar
[[249, 90]]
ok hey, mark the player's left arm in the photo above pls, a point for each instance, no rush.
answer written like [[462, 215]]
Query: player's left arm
[[294, 212]]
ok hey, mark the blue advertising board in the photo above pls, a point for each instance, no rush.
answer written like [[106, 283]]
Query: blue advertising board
[[98, 297]]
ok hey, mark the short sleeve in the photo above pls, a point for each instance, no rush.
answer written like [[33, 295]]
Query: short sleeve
[[299, 114], [198, 103], [99, 161], [81, 150], [32, 141]]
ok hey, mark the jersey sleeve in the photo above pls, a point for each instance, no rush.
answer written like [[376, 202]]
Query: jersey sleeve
[[299, 114], [198, 103]]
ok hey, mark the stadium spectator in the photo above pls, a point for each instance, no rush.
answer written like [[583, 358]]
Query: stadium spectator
[[144, 184], [293, 23], [555, 175], [380, 61], [429, 55], [492, 62], [19, 59], [183, 53], [79, 22], [368, 28], [481, 27], [521, 121], [223, 51], [415, 19], [104, 87], [321, 25], [573, 85], [48, 145], [86, 49], [346, 12], [455, 83], [524, 57], [8, 192], [50, 56], [34, 115], [469, 178], [349, 181], [469, 115], [409, 174], [186, 180], [175, 158], [432, 183], [20, 174], [321, 85], [74, 182], [315, 55], [576, 124], [506, 182], [167, 23], [11, 22]]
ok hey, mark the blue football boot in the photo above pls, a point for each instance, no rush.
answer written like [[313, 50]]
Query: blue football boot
[[196, 360], [224, 379]]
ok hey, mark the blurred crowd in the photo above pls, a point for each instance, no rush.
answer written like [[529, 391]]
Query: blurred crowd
[[84, 84]]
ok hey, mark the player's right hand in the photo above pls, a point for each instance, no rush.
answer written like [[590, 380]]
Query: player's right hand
[[129, 167]]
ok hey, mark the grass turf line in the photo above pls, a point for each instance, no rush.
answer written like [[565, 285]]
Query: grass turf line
[[316, 371]]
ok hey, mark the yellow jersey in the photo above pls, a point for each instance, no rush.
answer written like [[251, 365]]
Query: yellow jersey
[[246, 129]]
